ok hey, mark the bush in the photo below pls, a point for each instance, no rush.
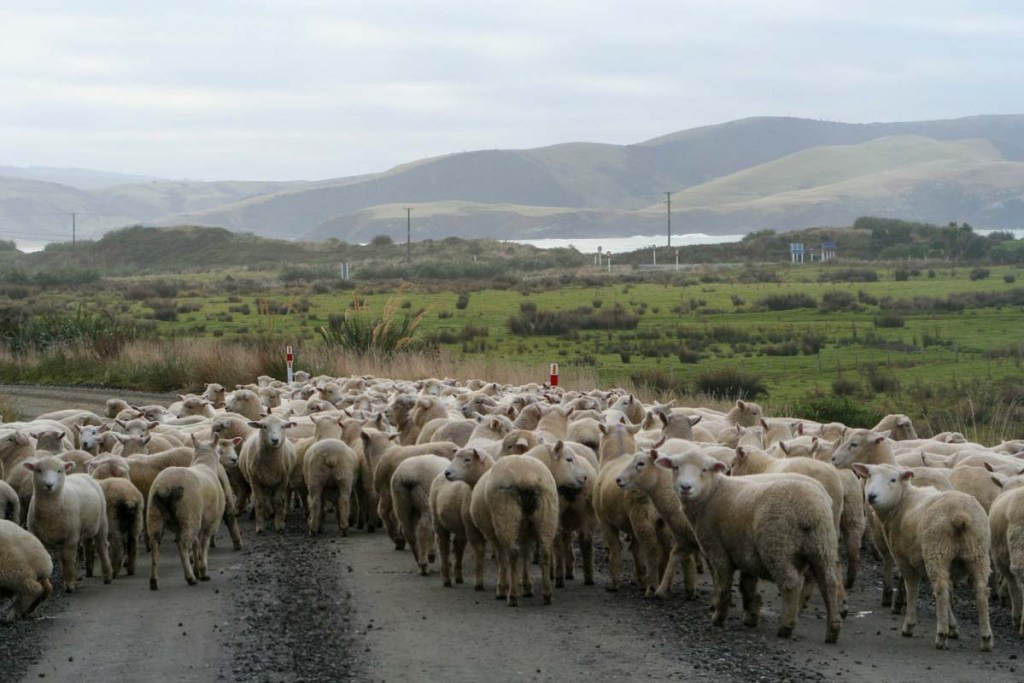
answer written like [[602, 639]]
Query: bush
[[836, 409], [359, 331], [837, 300], [785, 302], [849, 275], [979, 274], [889, 320], [382, 241], [462, 302], [844, 386], [730, 383], [1009, 278], [901, 275], [883, 382], [532, 321]]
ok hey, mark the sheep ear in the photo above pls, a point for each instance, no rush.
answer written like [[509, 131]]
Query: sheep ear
[[653, 455], [195, 441], [30, 465], [103, 429], [288, 425], [663, 461], [661, 442], [181, 398], [632, 429], [213, 442], [394, 437], [814, 445], [741, 405], [559, 446], [68, 466], [153, 425], [987, 466], [741, 454], [764, 424], [476, 455], [906, 475], [782, 445], [90, 466], [999, 480], [145, 439], [603, 428], [254, 424], [35, 435], [879, 439], [237, 440], [695, 420], [799, 429], [861, 470], [720, 467], [663, 418]]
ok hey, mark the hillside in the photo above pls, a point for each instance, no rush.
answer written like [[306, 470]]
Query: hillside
[[760, 172]]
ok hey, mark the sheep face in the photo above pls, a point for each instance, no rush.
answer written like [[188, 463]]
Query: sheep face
[[215, 394], [855, 448], [227, 453], [884, 485], [50, 440], [90, 437], [271, 430], [639, 469], [468, 465], [569, 474], [194, 405], [49, 474], [693, 473]]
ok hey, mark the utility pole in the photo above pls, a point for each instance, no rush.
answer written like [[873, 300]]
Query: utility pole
[[668, 200], [408, 234], [73, 226]]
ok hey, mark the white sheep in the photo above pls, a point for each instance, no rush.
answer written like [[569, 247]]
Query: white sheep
[[764, 526], [515, 506], [190, 502], [410, 495], [330, 468], [25, 568], [450, 495], [67, 511], [938, 534], [10, 504], [125, 519], [266, 461], [1006, 523]]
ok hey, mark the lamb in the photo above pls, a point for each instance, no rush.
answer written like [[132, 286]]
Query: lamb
[[515, 506], [216, 394], [410, 494], [189, 501], [773, 528], [10, 504], [641, 474], [745, 414], [330, 467], [940, 535], [125, 508], [115, 406], [16, 448], [450, 495], [66, 511], [246, 403], [143, 469], [266, 461], [25, 568], [1006, 524], [89, 438], [899, 427]]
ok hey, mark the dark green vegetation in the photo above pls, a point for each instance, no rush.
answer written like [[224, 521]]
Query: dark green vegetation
[[783, 173], [938, 339]]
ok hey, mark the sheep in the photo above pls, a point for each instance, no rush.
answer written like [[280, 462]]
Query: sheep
[[227, 450], [745, 414], [115, 406], [109, 467], [18, 447], [977, 482], [25, 568], [125, 508], [231, 426], [246, 403], [89, 438], [575, 479], [189, 501], [938, 534], [641, 474], [410, 494], [427, 408], [143, 469], [10, 504], [216, 394], [266, 461], [766, 527], [450, 494], [515, 506], [329, 467], [1006, 524], [66, 511], [518, 441], [898, 427], [773, 432], [383, 456], [195, 405]]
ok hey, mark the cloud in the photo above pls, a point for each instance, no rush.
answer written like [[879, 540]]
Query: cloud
[[283, 89]]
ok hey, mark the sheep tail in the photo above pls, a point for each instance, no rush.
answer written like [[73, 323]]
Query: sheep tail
[[528, 500], [959, 522], [166, 501], [127, 510]]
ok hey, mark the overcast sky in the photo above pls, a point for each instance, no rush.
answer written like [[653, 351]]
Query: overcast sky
[[289, 89]]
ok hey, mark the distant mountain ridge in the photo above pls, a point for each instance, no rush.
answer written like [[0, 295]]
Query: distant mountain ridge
[[766, 172]]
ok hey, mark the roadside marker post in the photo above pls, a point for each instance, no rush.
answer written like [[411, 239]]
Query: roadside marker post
[[554, 375], [289, 357]]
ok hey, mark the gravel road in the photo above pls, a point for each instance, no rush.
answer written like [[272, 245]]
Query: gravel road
[[292, 608]]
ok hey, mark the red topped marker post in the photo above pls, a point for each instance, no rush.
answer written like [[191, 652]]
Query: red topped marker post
[[554, 375], [289, 357]]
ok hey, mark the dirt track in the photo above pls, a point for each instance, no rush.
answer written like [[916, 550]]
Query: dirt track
[[291, 608]]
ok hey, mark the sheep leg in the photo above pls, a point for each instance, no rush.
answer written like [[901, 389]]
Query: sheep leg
[[69, 565], [479, 559], [316, 511], [280, 507], [204, 554], [444, 547], [559, 564], [424, 541], [527, 551], [611, 536], [831, 588], [184, 548], [154, 556], [231, 522], [90, 556], [980, 584], [258, 504], [502, 590], [343, 512], [941, 588], [751, 599], [722, 579], [586, 537], [674, 560], [31, 594], [569, 557], [852, 557], [545, 565], [103, 549], [116, 543], [652, 565], [887, 588], [515, 559], [790, 587], [460, 553], [911, 580]]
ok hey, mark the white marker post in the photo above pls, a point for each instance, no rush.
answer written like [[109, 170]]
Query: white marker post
[[554, 375], [289, 357]]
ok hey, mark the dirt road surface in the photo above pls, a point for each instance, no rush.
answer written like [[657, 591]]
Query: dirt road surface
[[293, 608]]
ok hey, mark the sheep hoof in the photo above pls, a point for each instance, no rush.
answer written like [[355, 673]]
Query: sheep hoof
[[660, 595], [153, 585], [107, 580], [447, 583], [887, 598], [612, 589], [458, 579], [423, 570], [844, 612], [848, 584], [832, 635], [986, 643], [940, 643], [513, 602], [400, 544], [547, 599], [907, 632], [191, 582], [204, 578], [783, 632], [431, 558], [559, 583], [751, 620], [478, 587]]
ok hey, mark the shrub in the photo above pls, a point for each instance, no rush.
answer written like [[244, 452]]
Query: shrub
[[532, 321], [687, 355], [462, 302], [785, 302], [889, 320], [837, 300], [359, 331], [444, 315], [737, 300], [597, 303], [836, 409], [979, 273], [658, 381], [730, 383], [883, 383], [1009, 278], [382, 241], [901, 275], [844, 386], [849, 275]]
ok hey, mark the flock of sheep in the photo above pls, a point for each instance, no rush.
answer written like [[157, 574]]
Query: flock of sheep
[[526, 473]]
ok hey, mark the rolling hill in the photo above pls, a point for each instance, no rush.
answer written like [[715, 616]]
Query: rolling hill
[[782, 173]]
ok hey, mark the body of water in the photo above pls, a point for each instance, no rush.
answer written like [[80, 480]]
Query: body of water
[[619, 245]]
